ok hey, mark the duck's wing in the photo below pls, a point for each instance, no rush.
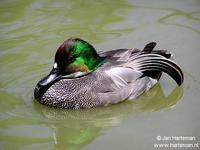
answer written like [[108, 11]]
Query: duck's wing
[[128, 92], [122, 83], [149, 61]]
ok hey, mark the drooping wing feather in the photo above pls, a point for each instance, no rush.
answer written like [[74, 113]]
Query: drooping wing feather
[[155, 62]]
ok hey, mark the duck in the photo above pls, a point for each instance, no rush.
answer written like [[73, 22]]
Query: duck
[[83, 77]]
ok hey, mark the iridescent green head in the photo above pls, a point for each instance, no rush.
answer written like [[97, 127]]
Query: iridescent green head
[[76, 55]]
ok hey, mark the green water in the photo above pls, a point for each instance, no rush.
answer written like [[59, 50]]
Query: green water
[[32, 30]]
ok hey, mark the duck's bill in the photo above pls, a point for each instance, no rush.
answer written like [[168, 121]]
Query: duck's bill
[[155, 62], [46, 82]]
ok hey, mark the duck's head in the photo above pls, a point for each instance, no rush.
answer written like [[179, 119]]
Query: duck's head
[[73, 58], [76, 55]]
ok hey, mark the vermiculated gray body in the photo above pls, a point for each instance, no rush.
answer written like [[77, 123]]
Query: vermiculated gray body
[[91, 91]]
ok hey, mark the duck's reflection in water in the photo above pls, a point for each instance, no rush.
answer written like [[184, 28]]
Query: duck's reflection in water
[[74, 129]]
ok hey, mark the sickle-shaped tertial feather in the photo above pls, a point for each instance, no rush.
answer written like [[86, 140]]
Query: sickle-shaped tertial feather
[[154, 62]]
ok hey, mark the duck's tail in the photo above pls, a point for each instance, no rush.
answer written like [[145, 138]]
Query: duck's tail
[[153, 63]]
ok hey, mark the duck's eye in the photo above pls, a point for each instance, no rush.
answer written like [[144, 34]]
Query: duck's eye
[[71, 59]]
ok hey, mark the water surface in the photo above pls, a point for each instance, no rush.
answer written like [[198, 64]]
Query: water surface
[[32, 30]]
